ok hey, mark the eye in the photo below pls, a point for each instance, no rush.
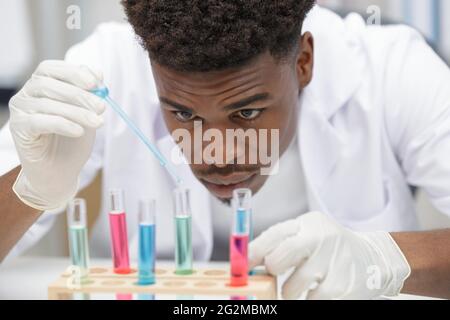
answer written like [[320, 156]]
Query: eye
[[249, 114], [184, 116]]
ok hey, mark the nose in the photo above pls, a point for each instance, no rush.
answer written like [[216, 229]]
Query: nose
[[225, 153], [227, 156]]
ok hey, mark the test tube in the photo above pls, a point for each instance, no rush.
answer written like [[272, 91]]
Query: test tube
[[243, 197], [118, 228], [239, 238], [78, 240], [146, 273], [183, 232], [243, 208]]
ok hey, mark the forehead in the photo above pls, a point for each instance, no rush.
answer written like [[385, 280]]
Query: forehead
[[264, 72]]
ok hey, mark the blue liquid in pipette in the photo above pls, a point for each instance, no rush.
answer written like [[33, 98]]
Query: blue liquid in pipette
[[146, 254], [103, 93]]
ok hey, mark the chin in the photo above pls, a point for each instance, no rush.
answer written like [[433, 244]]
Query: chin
[[226, 202], [224, 193]]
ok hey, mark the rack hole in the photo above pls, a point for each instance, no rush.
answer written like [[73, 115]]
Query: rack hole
[[215, 272]]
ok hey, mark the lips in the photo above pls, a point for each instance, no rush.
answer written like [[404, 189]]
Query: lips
[[223, 186]]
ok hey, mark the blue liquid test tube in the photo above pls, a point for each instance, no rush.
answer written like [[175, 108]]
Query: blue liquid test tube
[[147, 236], [183, 232], [78, 240], [242, 199]]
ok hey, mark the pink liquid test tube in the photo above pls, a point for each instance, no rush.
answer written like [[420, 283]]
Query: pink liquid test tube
[[239, 242], [118, 228]]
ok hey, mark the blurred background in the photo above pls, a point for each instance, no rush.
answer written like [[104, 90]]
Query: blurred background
[[35, 30]]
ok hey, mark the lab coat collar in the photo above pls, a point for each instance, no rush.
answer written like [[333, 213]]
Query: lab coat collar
[[339, 62], [338, 72]]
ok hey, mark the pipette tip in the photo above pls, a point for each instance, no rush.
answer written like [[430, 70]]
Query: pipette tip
[[101, 92]]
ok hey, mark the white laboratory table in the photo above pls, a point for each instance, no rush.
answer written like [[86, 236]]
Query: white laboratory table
[[27, 278]]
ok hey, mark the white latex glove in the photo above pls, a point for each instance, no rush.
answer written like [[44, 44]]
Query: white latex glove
[[329, 260], [53, 121]]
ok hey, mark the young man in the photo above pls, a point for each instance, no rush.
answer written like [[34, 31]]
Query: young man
[[361, 113]]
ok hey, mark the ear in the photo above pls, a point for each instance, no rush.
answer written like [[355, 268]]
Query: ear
[[304, 63]]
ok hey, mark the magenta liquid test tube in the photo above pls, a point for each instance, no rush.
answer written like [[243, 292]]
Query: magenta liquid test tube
[[239, 238], [119, 236]]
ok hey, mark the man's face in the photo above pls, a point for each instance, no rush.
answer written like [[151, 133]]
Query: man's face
[[260, 95]]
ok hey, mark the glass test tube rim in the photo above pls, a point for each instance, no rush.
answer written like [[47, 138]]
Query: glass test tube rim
[[246, 195], [182, 202], [150, 204], [71, 211], [117, 201]]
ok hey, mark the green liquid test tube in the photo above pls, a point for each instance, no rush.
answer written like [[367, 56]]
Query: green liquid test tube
[[183, 232], [78, 240]]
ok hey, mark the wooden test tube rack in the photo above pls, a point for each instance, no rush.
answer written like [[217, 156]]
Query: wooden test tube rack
[[205, 282]]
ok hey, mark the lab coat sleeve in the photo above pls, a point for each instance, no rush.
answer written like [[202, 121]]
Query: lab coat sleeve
[[8, 154], [418, 115], [10, 160], [84, 53]]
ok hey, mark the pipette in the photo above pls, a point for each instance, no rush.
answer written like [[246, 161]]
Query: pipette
[[103, 93]]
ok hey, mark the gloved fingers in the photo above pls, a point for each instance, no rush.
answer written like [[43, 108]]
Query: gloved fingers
[[80, 116], [343, 285], [45, 87], [291, 252], [325, 292], [42, 124], [80, 76], [269, 240], [304, 279]]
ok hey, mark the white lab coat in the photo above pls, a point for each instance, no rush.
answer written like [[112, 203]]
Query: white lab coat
[[374, 120]]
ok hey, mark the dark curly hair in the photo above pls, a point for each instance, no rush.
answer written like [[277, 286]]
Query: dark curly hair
[[206, 35]]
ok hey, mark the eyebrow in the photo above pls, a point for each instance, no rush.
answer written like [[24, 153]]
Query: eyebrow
[[233, 106], [175, 105], [245, 102]]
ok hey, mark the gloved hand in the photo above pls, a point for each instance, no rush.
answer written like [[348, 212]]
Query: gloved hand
[[330, 261], [53, 121]]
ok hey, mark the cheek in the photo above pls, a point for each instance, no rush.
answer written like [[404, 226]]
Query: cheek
[[284, 120], [279, 117]]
